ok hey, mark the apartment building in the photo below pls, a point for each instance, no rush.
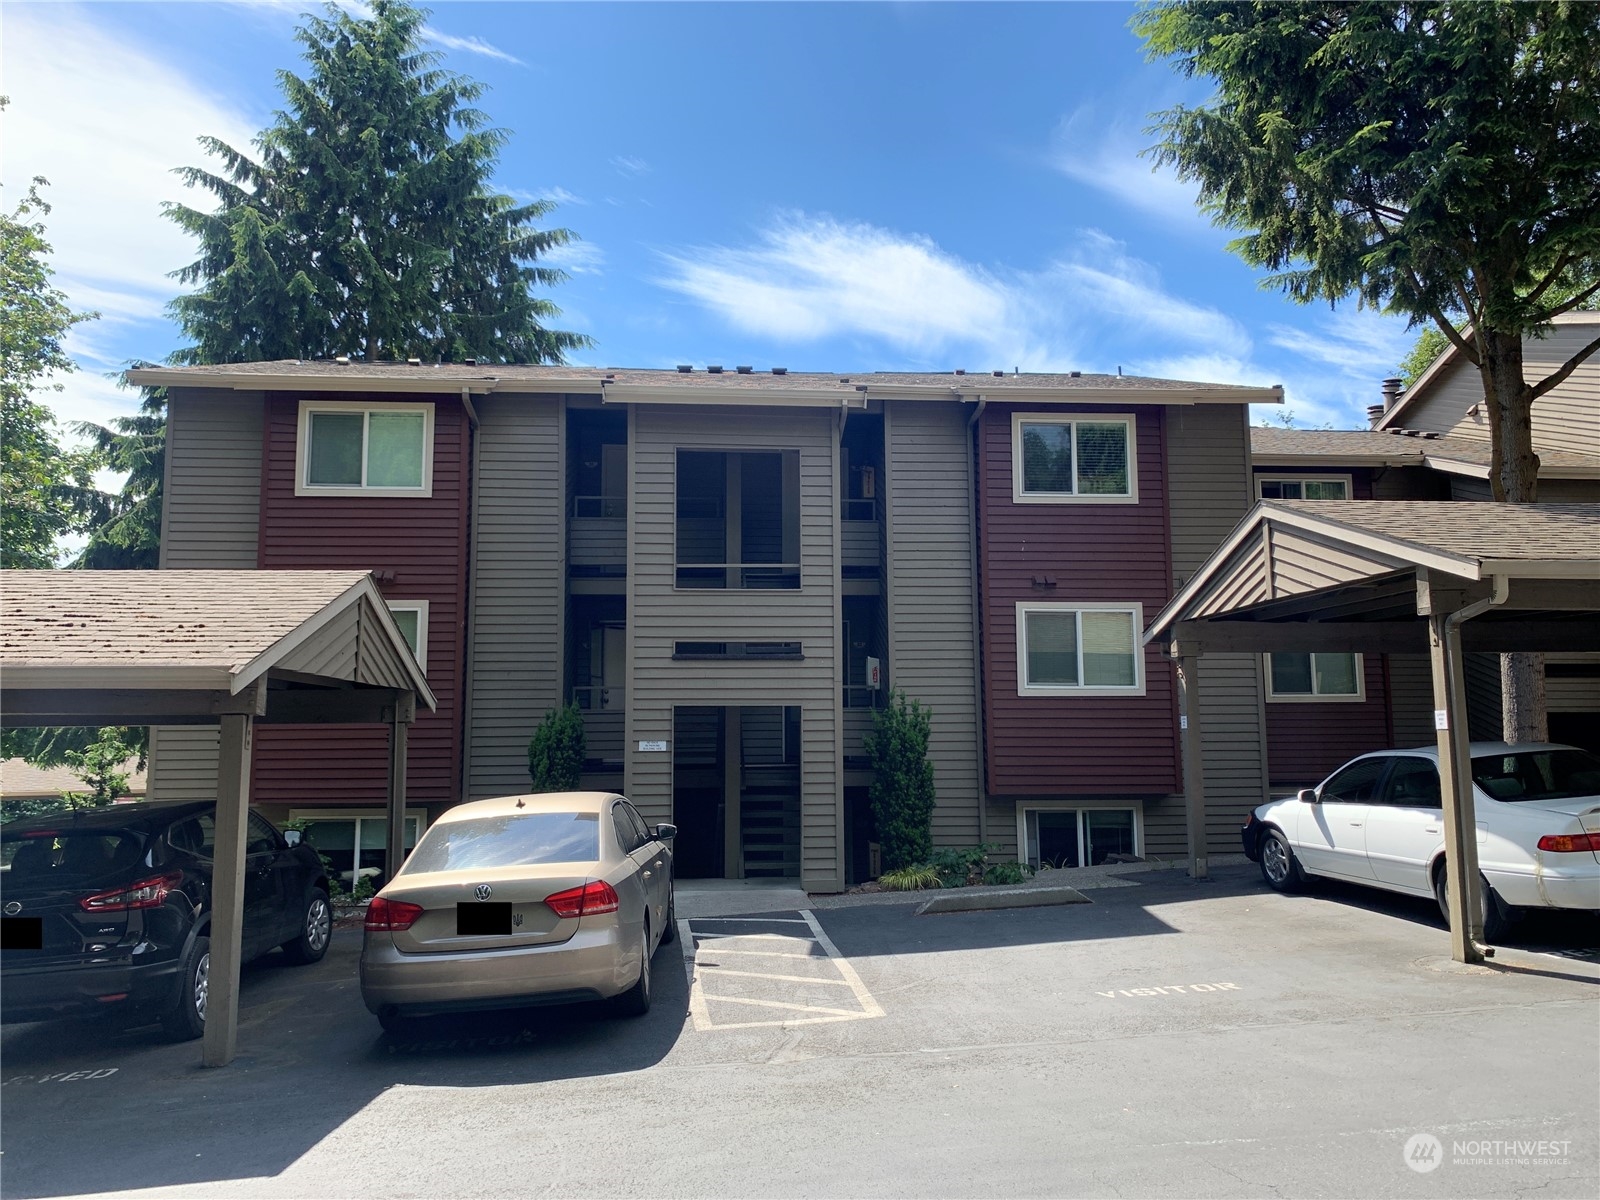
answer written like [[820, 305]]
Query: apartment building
[[1430, 442], [727, 570]]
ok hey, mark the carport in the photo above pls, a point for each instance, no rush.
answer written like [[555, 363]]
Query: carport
[[1393, 577], [229, 648]]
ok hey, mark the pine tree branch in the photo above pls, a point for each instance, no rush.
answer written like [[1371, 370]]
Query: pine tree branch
[[1560, 374]]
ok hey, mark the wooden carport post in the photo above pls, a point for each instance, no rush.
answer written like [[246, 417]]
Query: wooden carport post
[[399, 717], [1187, 655], [227, 878]]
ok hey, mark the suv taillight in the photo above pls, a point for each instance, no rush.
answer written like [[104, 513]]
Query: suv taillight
[[145, 893], [1570, 843], [390, 916], [596, 896]]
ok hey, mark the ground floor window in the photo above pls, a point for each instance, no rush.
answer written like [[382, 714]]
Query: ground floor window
[[1314, 677], [354, 843], [1066, 835]]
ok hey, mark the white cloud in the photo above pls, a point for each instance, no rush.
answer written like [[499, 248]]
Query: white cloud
[[1104, 153], [626, 164], [576, 258], [556, 195], [470, 45], [106, 123]]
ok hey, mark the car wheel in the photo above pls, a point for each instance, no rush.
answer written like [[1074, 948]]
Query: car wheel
[[669, 932], [1497, 918], [1279, 867], [186, 1020], [635, 1002], [316, 931]]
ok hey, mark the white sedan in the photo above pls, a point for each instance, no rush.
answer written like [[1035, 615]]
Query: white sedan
[[1377, 820]]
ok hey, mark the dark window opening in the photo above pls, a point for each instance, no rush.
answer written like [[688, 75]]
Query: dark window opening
[[790, 650], [738, 519]]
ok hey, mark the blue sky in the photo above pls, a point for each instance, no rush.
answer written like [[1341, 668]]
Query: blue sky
[[819, 186]]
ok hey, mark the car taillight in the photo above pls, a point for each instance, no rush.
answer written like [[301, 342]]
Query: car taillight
[[390, 916], [145, 893], [596, 896], [1570, 843]]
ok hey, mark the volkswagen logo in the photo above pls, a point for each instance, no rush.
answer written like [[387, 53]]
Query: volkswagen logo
[[13, 908], [483, 891]]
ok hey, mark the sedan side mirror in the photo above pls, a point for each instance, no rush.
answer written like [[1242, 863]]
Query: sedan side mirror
[[291, 837], [1306, 795], [666, 833]]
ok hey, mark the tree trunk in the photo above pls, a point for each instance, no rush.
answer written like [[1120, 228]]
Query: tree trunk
[[1514, 478]]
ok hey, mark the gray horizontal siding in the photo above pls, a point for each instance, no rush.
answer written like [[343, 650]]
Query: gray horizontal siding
[[1209, 490], [932, 654], [518, 571], [659, 615], [211, 519]]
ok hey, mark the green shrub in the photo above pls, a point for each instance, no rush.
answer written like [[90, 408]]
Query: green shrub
[[555, 755], [909, 879], [902, 793], [960, 866], [1008, 872]]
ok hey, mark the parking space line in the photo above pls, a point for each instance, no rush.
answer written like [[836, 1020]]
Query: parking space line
[[700, 1000], [836, 1012], [784, 978]]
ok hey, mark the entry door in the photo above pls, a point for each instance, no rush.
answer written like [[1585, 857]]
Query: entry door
[[1332, 834], [614, 479], [613, 667]]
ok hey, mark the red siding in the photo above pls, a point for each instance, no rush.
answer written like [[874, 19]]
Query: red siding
[[1307, 740], [424, 543], [1039, 746]]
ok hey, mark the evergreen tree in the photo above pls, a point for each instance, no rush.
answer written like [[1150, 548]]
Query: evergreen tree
[[45, 491], [365, 223], [1436, 159]]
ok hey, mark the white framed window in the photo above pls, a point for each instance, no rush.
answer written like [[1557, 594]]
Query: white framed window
[[1304, 487], [1320, 678], [1078, 833], [412, 617], [1059, 459], [1079, 649], [364, 449], [355, 841]]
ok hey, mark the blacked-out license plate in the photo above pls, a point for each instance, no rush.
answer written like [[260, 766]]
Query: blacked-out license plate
[[21, 933], [483, 918]]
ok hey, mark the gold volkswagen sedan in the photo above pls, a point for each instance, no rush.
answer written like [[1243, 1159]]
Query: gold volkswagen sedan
[[541, 899]]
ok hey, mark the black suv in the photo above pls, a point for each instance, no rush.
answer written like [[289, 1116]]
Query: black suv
[[109, 909]]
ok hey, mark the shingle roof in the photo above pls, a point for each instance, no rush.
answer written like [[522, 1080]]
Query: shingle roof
[[198, 619], [18, 777], [1482, 531], [1362, 447], [507, 375]]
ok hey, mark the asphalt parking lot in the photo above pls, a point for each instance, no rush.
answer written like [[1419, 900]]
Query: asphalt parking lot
[[1171, 1038]]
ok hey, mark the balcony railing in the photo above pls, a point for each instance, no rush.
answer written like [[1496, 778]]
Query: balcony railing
[[858, 510], [858, 696], [607, 507], [746, 576], [600, 698]]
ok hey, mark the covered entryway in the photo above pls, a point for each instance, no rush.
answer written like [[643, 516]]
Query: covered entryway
[[228, 648], [1395, 577]]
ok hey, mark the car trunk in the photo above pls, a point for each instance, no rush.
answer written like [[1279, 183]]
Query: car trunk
[[442, 896], [46, 877], [1584, 811]]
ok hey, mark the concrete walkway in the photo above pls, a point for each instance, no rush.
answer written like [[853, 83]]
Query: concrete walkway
[[731, 897]]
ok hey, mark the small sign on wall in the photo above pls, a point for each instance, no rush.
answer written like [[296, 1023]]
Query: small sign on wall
[[652, 747], [874, 674]]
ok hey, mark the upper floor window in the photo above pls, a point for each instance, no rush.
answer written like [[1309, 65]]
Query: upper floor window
[[1068, 649], [1308, 487], [1294, 676], [370, 449], [412, 617], [738, 519], [1060, 459]]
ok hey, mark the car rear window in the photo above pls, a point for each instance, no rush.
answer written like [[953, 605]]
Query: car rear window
[[524, 839], [45, 858], [1538, 774]]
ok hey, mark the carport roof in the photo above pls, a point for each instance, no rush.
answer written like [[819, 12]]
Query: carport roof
[[218, 630], [1288, 548]]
